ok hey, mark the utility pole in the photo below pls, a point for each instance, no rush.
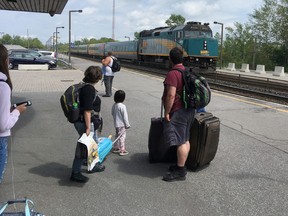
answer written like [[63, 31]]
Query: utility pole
[[113, 21]]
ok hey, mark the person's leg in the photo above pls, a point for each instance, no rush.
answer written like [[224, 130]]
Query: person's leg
[[122, 134], [3, 156], [107, 84], [111, 84], [178, 131], [116, 145], [79, 156], [182, 153]]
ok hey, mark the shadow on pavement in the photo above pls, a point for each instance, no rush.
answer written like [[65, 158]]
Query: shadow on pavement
[[56, 170], [138, 164]]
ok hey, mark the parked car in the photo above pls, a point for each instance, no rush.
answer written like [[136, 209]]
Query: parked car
[[35, 53], [16, 58], [48, 53]]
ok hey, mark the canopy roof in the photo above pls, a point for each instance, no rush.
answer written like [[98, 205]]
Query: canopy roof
[[41, 6]]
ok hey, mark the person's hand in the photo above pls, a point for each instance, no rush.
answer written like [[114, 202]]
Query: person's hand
[[127, 127], [21, 108], [88, 131], [167, 117]]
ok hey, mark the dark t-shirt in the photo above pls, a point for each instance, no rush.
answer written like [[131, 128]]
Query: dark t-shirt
[[88, 99], [174, 78]]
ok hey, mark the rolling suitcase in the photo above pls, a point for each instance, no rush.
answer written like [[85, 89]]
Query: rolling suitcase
[[204, 139], [158, 150], [104, 147]]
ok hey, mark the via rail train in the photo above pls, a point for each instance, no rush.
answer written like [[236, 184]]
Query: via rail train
[[199, 47]]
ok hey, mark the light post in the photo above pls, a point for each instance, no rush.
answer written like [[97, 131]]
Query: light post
[[56, 47], [127, 37], [69, 53], [221, 46], [54, 40]]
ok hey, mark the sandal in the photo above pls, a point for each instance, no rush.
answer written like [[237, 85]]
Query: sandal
[[123, 153]]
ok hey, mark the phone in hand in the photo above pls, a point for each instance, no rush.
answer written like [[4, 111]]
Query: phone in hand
[[27, 103]]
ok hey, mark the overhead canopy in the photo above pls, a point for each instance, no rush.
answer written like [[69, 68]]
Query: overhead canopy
[[41, 6]]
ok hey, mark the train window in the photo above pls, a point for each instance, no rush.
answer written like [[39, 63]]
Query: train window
[[205, 34], [179, 35], [156, 33], [191, 34]]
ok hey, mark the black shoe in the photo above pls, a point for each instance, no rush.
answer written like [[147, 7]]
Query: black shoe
[[106, 96], [174, 167], [97, 168], [175, 175], [78, 177]]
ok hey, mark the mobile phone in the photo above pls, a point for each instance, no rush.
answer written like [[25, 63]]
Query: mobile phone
[[27, 103]]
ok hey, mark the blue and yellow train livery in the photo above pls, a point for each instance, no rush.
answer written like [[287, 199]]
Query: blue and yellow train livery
[[196, 40], [123, 50]]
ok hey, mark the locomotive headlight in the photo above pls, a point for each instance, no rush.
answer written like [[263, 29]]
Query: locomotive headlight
[[205, 45], [197, 59], [211, 60]]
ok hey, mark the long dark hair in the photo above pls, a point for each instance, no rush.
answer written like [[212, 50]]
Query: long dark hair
[[3, 64]]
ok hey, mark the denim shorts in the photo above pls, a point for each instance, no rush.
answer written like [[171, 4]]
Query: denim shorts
[[177, 130]]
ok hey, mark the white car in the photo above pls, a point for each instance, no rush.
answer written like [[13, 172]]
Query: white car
[[48, 53]]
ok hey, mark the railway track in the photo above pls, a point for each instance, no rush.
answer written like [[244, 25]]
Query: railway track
[[263, 88]]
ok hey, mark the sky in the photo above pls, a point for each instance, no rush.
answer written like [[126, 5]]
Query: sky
[[130, 16]]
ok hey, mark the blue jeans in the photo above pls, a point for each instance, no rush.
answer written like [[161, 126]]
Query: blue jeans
[[3, 155], [81, 150]]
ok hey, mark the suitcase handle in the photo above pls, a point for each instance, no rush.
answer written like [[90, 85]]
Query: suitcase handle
[[161, 111], [26, 201]]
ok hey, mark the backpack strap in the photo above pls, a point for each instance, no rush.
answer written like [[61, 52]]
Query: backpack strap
[[184, 73], [113, 58]]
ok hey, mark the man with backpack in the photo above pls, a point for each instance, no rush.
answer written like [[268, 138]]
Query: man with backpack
[[108, 74], [178, 119]]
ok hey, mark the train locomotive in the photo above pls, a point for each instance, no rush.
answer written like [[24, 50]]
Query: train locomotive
[[196, 40]]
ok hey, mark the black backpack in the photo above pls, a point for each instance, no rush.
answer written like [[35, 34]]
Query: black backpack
[[70, 102], [116, 66], [196, 90]]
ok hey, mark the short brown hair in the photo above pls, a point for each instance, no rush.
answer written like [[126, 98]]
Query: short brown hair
[[92, 74], [176, 55]]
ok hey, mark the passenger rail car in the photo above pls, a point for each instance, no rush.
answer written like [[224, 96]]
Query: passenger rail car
[[195, 39]]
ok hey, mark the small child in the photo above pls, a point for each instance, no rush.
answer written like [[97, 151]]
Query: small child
[[121, 123]]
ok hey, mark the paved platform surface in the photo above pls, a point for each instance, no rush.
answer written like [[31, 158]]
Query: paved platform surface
[[249, 175]]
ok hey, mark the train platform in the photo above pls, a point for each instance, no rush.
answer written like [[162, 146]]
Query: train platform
[[249, 175]]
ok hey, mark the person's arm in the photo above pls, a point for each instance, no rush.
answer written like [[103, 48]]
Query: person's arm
[[169, 100], [87, 118], [125, 117], [106, 61]]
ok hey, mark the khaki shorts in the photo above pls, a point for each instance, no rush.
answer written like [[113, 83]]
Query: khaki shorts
[[177, 130]]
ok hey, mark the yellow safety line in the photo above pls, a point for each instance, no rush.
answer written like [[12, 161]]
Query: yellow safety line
[[250, 102]]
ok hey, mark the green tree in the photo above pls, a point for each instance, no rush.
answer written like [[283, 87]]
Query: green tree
[[175, 20], [136, 35]]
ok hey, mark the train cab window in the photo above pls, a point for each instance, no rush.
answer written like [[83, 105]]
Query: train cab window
[[179, 35], [205, 34], [191, 34], [156, 33]]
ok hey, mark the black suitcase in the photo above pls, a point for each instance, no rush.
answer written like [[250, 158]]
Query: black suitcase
[[158, 150], [204, 139]]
